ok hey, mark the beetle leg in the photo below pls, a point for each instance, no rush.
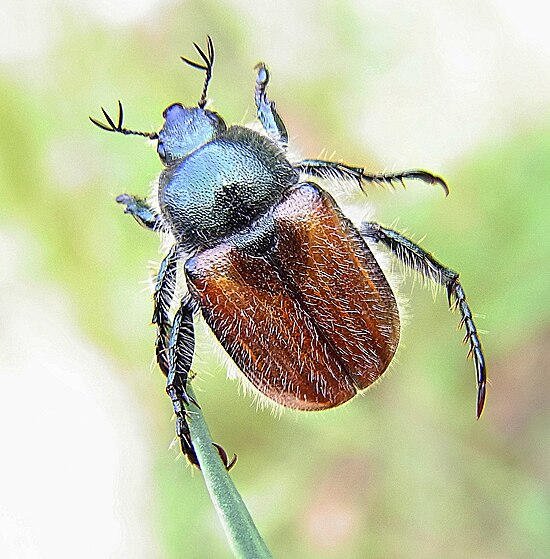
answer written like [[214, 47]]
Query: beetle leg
[[181, 347], [162, 302], [333, 169], [266, 111], [174, 346], [141, 211], [416, 257]]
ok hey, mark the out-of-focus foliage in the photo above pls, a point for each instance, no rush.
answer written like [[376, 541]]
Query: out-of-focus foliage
[[404, 471]]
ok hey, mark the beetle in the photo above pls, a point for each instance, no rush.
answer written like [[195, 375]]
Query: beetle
[[286, 282]]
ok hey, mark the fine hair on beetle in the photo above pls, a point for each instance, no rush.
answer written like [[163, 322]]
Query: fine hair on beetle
[[292, 289]]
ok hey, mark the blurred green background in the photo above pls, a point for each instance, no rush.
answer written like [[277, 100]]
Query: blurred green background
[[406, 471]]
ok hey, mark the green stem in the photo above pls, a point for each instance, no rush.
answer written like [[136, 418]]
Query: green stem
[[243, 536]]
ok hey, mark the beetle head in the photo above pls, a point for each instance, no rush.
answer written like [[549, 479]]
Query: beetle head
[[185, 129]]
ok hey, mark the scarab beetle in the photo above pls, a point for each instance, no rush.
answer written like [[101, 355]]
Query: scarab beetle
[[285, 281]]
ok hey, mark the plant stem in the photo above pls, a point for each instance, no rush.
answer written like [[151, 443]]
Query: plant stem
[[241, 532]]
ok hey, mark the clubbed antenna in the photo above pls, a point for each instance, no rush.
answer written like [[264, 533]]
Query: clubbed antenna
[[207, 66], [112, 127]]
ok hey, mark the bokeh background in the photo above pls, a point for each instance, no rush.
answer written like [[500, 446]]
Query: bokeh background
[[461, 88]]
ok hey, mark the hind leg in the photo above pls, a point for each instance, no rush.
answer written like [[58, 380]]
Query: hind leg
[[416, 257]]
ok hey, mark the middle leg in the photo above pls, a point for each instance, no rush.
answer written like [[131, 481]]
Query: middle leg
[[175, 345], [181, 347], [333, 169]]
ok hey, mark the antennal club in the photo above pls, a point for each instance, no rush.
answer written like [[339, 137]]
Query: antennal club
[[207, 66], [112, 127]]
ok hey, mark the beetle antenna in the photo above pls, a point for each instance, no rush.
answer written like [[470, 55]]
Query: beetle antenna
[[207, 66], [112, 127]]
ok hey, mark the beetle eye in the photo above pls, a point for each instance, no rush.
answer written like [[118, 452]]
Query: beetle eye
[[161, 150], [214, 118]]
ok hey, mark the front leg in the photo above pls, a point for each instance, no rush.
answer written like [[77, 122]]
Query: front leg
[[416, 257], [335, 169], [141, 211], [267, 114]]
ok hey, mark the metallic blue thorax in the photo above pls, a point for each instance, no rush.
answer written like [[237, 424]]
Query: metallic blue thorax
[[217, 180]]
